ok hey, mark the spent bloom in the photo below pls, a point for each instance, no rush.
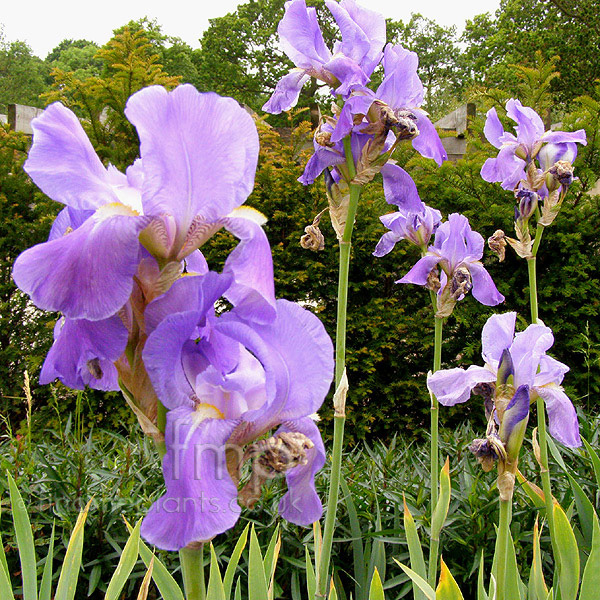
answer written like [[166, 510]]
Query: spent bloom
[[522, 357], [198, 159], [532, 141], [227, 380], [457, 251]]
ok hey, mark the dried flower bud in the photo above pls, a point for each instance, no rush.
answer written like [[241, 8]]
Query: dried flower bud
[[323, 138], [460, 283], [433, 280], [497, 244], [273, 456], [313, 238], [406, 129], [487, 451], [560, 173]]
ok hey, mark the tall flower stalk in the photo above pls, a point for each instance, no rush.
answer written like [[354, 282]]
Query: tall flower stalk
[[345, 245], [537, 165]]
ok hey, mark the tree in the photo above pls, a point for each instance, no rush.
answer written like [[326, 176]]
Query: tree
[[129, 64], [76, 56], [521, 29], [22, 75], [439, 60]]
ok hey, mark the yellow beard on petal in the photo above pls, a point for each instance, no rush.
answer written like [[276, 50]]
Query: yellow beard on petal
[[205, 411], [116, 208]]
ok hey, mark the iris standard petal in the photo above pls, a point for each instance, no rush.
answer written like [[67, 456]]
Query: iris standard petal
[[63, 163], [527, 350], [550, 371], [173, 321], [372, 24], [201, 498], [300, 36], [199, 152], [301, 504], [493, 129], [562, 418], [84, 353], [355, 43], [453, 386], [484, 289], [401, 86], [496, 336], [88, 273], [530, 127]]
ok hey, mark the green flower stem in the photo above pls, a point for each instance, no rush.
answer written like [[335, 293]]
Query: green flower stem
[[434, 458], [541, 409], [502, 546], [192, 568], [340, 365]]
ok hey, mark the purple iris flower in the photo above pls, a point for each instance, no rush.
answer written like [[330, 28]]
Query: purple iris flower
[[198, 159], [353, 58], [415, 226], [457, 250], [402, 91], [531, 366], [516, 152], [226, 381]]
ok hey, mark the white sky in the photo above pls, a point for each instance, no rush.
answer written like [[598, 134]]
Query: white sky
[[43, 24]]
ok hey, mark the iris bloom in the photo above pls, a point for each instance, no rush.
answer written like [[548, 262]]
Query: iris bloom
[[531, 366], [353, 58], [457, 250], [401, 91], [516, 152], [415, 226], [198, 159], [226, 381]]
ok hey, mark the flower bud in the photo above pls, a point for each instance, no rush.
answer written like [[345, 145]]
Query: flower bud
[[528, 202], [514, 423]]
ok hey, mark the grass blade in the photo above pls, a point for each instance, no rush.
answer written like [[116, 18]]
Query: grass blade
[[423, 585], [167, 586], [311, 580], [537, 586], [257, 581], [234, 561], [69, 573], [25, 544], [358, 553], [415, 551], [447, 588], [568, 553], [46, 585], [145, 587], [590, 584], [376, 589], [127, 561], [215, 591]]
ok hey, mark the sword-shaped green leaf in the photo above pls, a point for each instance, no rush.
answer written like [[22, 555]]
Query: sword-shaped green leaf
[[127, 561]]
